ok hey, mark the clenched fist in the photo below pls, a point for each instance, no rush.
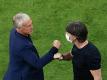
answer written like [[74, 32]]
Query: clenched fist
[[56, 43]]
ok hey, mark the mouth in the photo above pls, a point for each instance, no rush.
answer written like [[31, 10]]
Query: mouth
[[31, 31]]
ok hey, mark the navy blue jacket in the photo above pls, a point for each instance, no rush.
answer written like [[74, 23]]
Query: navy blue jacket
[[24, 61]]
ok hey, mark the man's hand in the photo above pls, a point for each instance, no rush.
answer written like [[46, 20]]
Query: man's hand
[[58, 56], [57, 44]]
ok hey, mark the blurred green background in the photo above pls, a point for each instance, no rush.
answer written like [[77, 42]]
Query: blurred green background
[[50, 18]]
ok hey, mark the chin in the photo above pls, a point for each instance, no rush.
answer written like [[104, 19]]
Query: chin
[[30, 33]]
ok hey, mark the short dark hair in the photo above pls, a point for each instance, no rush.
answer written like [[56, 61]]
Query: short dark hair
[[78, 29]]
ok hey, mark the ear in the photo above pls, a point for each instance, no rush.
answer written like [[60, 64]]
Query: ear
[[74, 37]]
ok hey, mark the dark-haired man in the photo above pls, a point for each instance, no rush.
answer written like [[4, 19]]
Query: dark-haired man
[[86, 58]]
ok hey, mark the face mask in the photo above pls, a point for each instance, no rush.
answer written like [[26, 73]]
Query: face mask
[[68, 37]]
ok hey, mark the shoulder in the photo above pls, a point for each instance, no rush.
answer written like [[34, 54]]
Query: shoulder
[[17, 43], [92, 50]]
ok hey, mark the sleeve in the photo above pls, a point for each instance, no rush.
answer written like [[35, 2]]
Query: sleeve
[[93, 60], [31, 58]]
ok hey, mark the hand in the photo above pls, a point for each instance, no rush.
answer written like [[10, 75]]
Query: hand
[[56, 43], [58, 56]]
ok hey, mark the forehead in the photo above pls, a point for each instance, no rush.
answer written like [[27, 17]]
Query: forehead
[[69, 34], [27, 22]]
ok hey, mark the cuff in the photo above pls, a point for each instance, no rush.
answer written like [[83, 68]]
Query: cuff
[[53, 50]]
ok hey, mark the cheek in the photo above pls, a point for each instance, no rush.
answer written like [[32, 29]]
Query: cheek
[[29, 30], [25, 30], [71, 38]]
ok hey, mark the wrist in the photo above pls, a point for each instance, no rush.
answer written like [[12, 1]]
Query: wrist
[[56, 47], [54, 50]]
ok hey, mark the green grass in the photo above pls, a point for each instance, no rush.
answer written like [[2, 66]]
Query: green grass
[[50, 18]]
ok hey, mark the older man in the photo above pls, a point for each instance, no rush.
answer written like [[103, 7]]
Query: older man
[[25, 63]]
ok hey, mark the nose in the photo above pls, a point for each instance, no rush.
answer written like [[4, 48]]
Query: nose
[[31, 27]]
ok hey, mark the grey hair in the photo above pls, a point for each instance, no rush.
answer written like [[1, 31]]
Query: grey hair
[[19, 18]]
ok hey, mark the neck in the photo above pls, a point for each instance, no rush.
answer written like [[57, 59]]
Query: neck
[[81, 45]]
